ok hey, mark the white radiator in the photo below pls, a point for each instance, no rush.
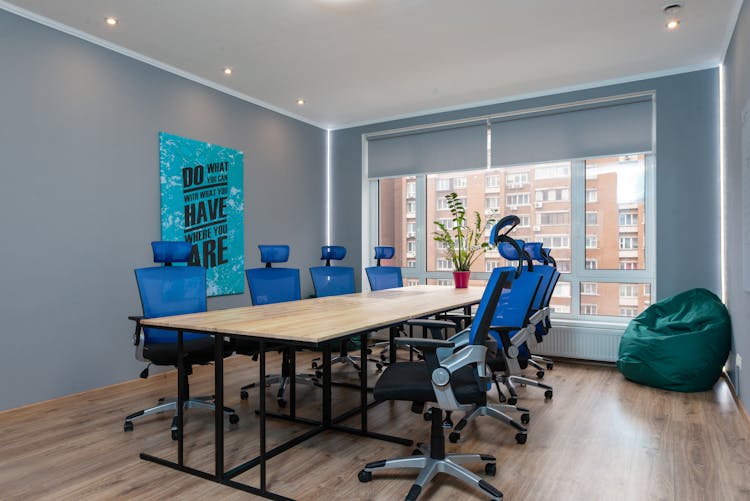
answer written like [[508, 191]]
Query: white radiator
[[588, 342]]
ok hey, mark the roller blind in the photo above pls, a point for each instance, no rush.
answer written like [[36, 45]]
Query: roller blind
[[449, 149], [620, 127]]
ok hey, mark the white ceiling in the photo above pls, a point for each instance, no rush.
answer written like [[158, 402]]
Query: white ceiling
[[362, 61]]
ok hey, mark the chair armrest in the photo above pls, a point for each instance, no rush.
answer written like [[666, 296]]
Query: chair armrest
[[424, 343], [136, 318], [430, 323], [136, 335]]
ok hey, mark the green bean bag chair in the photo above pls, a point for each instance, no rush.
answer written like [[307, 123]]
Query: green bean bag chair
[[680, 343]]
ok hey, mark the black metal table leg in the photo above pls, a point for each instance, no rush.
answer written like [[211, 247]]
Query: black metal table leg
[[262, 413], [327, 411], [180, 397], [363, 380], [219, 406]]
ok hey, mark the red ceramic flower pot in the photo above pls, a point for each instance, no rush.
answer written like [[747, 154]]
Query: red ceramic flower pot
[[461, 279]]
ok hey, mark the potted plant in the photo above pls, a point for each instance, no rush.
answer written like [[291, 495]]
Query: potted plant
[[463, 241]]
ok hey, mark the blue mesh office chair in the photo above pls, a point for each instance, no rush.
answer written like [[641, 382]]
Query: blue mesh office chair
[[458, 382], [334, 281], [172, 290], [270, 285], [550, 276]]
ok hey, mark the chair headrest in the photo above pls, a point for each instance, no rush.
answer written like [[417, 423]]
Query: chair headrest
[[384, 252], [274, 253], [508, 251], [503, 227], [335, 252], [171, 252], [534, 249]]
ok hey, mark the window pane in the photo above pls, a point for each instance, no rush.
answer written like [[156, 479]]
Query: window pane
[[560, 301], [398, 219], [615, 194], [613, 299]]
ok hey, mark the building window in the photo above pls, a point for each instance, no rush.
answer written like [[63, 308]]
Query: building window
[[628, 312], [592, 218], [552, 171], [589, 309], [628, 243], [563, 266], [411, 263], [491, 265], [492, 203], [628, 218], [443, 184], [459, 182], [411, 282], [517, 199], [411, 190], [411, 208], [444, 281], [592, 264], [524, 221], [559, 308], [626, 264], [516, 179], [589, 289], [647, 289], [555, 241], [553, 195], [444, 265], [411, 230], [629, 290], [553, 218], [592, 195], [592, 241], [492, 181], [562, 290]]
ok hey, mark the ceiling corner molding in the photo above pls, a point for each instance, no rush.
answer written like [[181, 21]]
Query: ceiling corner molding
[[69, 30]]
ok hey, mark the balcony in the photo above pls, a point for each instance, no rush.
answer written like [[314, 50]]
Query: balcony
[[628, 253], [628, 301]]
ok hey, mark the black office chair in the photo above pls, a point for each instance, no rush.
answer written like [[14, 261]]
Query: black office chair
[[458, 382], [173, 290], [270, 285]]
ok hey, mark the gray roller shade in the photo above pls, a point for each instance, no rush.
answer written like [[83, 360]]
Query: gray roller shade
[[574, 133], [449, 149]]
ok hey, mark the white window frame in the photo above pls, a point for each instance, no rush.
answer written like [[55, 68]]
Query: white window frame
[[459, 183]]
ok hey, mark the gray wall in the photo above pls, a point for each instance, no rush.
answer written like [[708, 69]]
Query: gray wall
[[79, 198], [687, 174], [737, 79]]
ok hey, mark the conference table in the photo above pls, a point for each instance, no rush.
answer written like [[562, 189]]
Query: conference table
[[318, 323]]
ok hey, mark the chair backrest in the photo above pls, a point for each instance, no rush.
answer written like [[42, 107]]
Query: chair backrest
[[273, 285], [170, 290], [384, 277], [332, 280], [500, 281], [549, 274]]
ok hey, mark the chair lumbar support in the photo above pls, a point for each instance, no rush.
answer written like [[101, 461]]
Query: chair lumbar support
[[433, 460]]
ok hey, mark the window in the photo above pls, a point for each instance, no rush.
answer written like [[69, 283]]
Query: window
[[411, 207], [553, 195], [591, 195], [647, 289], [411, 190], [411, 263], [446, 221], [589, 289], [628, 312], [445, 281], [629, 290], [410, 252], [517, 199], [491, 265], [563, 266], [592, 241], [628, 264], [524, 221], [444, 265], [492, 203], [492, 181], [552, 171], [559, 308], [589, 309], [628, 243], [592, 264], [555, 241], [562, 290], [592, 218], [556, 218], [628, 217], [408, 282], [443, 184], [516, 179], [459, 182]]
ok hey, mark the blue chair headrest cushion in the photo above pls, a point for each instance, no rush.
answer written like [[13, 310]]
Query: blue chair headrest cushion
[[171, 252], [534, 249], [335, 252], [547, 251], [508, 251], [384, 252], [274, 253]]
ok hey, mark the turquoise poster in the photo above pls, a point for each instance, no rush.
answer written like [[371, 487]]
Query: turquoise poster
[[202, 203]]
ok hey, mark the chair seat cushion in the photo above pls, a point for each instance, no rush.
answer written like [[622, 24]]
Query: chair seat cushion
[[199, 350], [411, 381]]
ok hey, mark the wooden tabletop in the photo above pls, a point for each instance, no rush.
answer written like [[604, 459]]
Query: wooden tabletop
[[323, 319]]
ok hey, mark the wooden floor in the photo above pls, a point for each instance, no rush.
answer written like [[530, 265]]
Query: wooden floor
[[600, 438]]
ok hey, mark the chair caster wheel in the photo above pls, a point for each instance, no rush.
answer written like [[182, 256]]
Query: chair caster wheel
[[243, 395], [548, 394], [364, 476], [128, 426], [234, 419], [315, 365], [281, 402], [174, 434], [369, 351], [512, 401], [319, 374], [427, 416], [379, 367], [540, 374], [520, 438], [416, 452], [525, 418], [502, 398], [490, 469], [454, 437], [550, 366]]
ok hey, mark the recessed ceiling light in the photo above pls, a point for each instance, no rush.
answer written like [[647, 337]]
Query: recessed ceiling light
[[300, 102], [111, 21], [672, 24], [227, 71]]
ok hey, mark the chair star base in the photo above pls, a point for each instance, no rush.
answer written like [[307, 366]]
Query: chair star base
[[496, 411], [167, 405]]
